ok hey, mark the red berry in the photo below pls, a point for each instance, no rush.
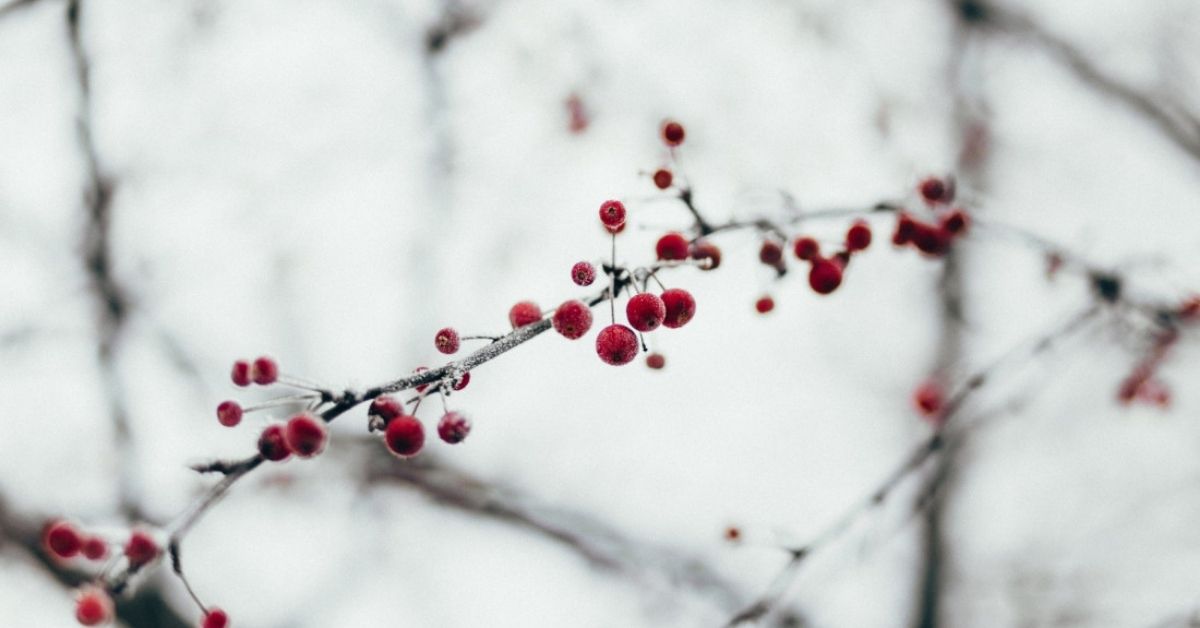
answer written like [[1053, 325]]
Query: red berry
[[663, 178], [62, 539], [616, 345], [422, 369], [462, 381], [305, 435], [733, 534], [241, 373], [454, 427], [583, 273], [930, 401], [214, 618], [385, 407], [645, 312], [825, 276], [703, 250], [672, 133], [656, 361], [955, 222], [404, 436], [933, 241], [446, 340], [764, 304], [770, 253], [272, 445], [572, 319], [858, 237], [264, 371], [672, 246], [141, 548], [935, 190], [612, 214], [229, 413], [905, 228], [94, 548], [93, 607], [806, 248], [524, 313], [681, 307]]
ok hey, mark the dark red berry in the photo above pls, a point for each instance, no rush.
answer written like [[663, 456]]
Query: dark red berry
[[681, 307], [524, 313], [770, 253], [612, 214], [929, 399], [764, 304], [272, 445], [656, 361], [858, 237], [572, 319], [229, 413], [956, 222], [214, 618], [446, 340], [645, 312], [616, 345], [672, 246], [93, 607], [733, 534], [672, 133], [385, 407], [141, 548], [583, 273], [453, 427], [825, 276], [931, 240], [806, 248], [241, 373], [404, 436], [305, 435], [935, 190], [264, 371], [905, 228], [94, 548], [663, 178], [462, 381], [62, 539], [703, 250]]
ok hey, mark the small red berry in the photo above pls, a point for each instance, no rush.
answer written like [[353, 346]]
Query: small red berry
[[645, 312], [264, 371], [583, 273], [616, 345], [681, 307], [933, 241], [929, 399], [935, 190], [93, 607], [62, 539], [240, 373], [446, 340], [462, 381], [905, 228], [572, 319], [214, 618], [858, 237], [656, 361], [454, 427], [612, 214], [672, 246], [663, 178], [703, 250], [956, 222], [141, 548], [733, 534], [229, 413], [672, 133], [272, 445], [806, 248], [770, 253], [404, 436], [764, 304], [385, 407], [825, 276], [305, 435], [422, 369], [524, 313], [94, 548]]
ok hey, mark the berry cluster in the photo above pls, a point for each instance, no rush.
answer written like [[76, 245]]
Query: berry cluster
[[404, 434], [932, 238]]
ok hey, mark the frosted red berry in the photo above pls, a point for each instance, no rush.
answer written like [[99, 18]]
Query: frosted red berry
[[462, 381], [616, 345], [583, 273], [680, 305], [264, 371], [240, 374], [672, 133], [825, 276], [929, 399], [612, 214], [672, 246], [62, 539], [656, 361], [572, 319], [404, 436], [272, 444], [663, 178], [806, 248], [764, 304], [306, 435], [770, 253], [453, 427], [141, 548], [385, 407], [446, 340], [229, 413], [645, 311], [214, 618], [707, 252], [94, 548], [935, 190], [955, 222], [93, 607], [858, 236], [524, 313]]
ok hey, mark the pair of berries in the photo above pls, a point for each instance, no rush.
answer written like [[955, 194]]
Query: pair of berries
[[304, 435], [673, 247], [932, 239], [262, 371]]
